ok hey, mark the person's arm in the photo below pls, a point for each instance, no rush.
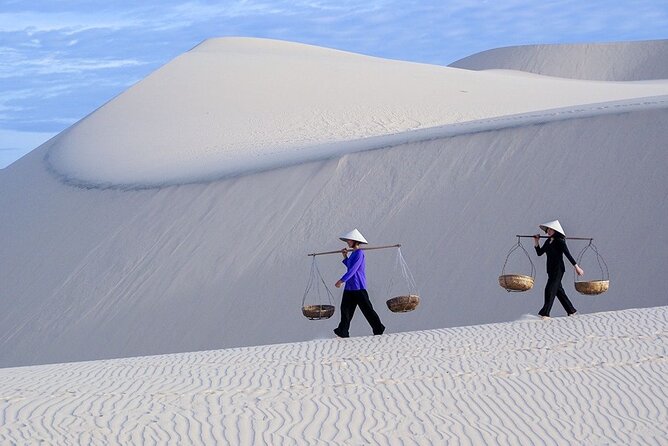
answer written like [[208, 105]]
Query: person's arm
[[344, 251], [539, 250], [353, 263], [567, 253]]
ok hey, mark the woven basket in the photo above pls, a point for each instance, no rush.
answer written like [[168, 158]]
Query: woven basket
[[516, 282], [317, 312], [592, 287], [403, 304]]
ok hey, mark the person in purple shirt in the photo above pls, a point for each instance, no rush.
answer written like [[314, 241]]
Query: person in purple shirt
[[354, 292]]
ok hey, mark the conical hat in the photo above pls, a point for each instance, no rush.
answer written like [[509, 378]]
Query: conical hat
[[355, 236], [553, 225]]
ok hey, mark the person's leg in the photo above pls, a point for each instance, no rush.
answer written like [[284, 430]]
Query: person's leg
[[369, 313], [551, 288], [348, 304], [565, 301]]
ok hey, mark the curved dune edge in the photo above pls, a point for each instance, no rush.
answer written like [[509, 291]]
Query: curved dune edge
[[233, 106], [591, 379], [610, 61], [324, 151]]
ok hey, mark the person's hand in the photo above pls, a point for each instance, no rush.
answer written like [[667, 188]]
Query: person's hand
[[536, 239], [338, 284], [344, 251], [579, 271]]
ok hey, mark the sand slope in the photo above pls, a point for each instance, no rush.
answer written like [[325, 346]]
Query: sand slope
[[106, 273], [89, 273], [592, 379], [615, 61]]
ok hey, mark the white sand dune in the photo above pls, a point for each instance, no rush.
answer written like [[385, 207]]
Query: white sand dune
[[614, 61], [234, 105], [92, 273], [593, 379]]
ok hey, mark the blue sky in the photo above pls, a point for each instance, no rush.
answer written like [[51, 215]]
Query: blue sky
[[62, 59]]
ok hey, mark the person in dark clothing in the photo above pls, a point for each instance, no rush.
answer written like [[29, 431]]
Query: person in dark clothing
[[354, 293], [555, 248]]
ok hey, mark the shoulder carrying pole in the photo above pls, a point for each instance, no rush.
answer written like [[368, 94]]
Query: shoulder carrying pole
[[350, 250], [568, 238]]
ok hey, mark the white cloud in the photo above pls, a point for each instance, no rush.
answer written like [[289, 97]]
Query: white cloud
[[65, 22], [20, 64], [52, 64], [146, 16], [510, 19]]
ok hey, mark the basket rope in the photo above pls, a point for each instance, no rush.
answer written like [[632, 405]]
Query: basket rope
[[533, 268], [402, 268], [519, 245], [315, 278], [603, 267]]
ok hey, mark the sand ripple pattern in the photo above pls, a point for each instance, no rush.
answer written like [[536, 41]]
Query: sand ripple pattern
[[592, 379]]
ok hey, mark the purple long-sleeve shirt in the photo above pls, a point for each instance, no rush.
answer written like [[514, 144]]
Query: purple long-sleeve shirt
[[355, 277]]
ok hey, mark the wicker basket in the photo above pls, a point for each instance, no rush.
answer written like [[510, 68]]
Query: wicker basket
[[592, 287], [403, 304], [516, 282], [317, 312]]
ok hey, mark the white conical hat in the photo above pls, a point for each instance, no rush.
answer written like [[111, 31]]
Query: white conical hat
[[553, 225], [355, 236]]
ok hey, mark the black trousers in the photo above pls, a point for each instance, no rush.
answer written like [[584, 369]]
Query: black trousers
[[553, 288], [350, 301]]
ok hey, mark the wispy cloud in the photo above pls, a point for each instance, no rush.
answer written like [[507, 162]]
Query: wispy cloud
[[53, 64], [65, 22]]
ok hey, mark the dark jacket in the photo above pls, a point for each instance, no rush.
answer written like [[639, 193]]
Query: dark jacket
[[555, 248]]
